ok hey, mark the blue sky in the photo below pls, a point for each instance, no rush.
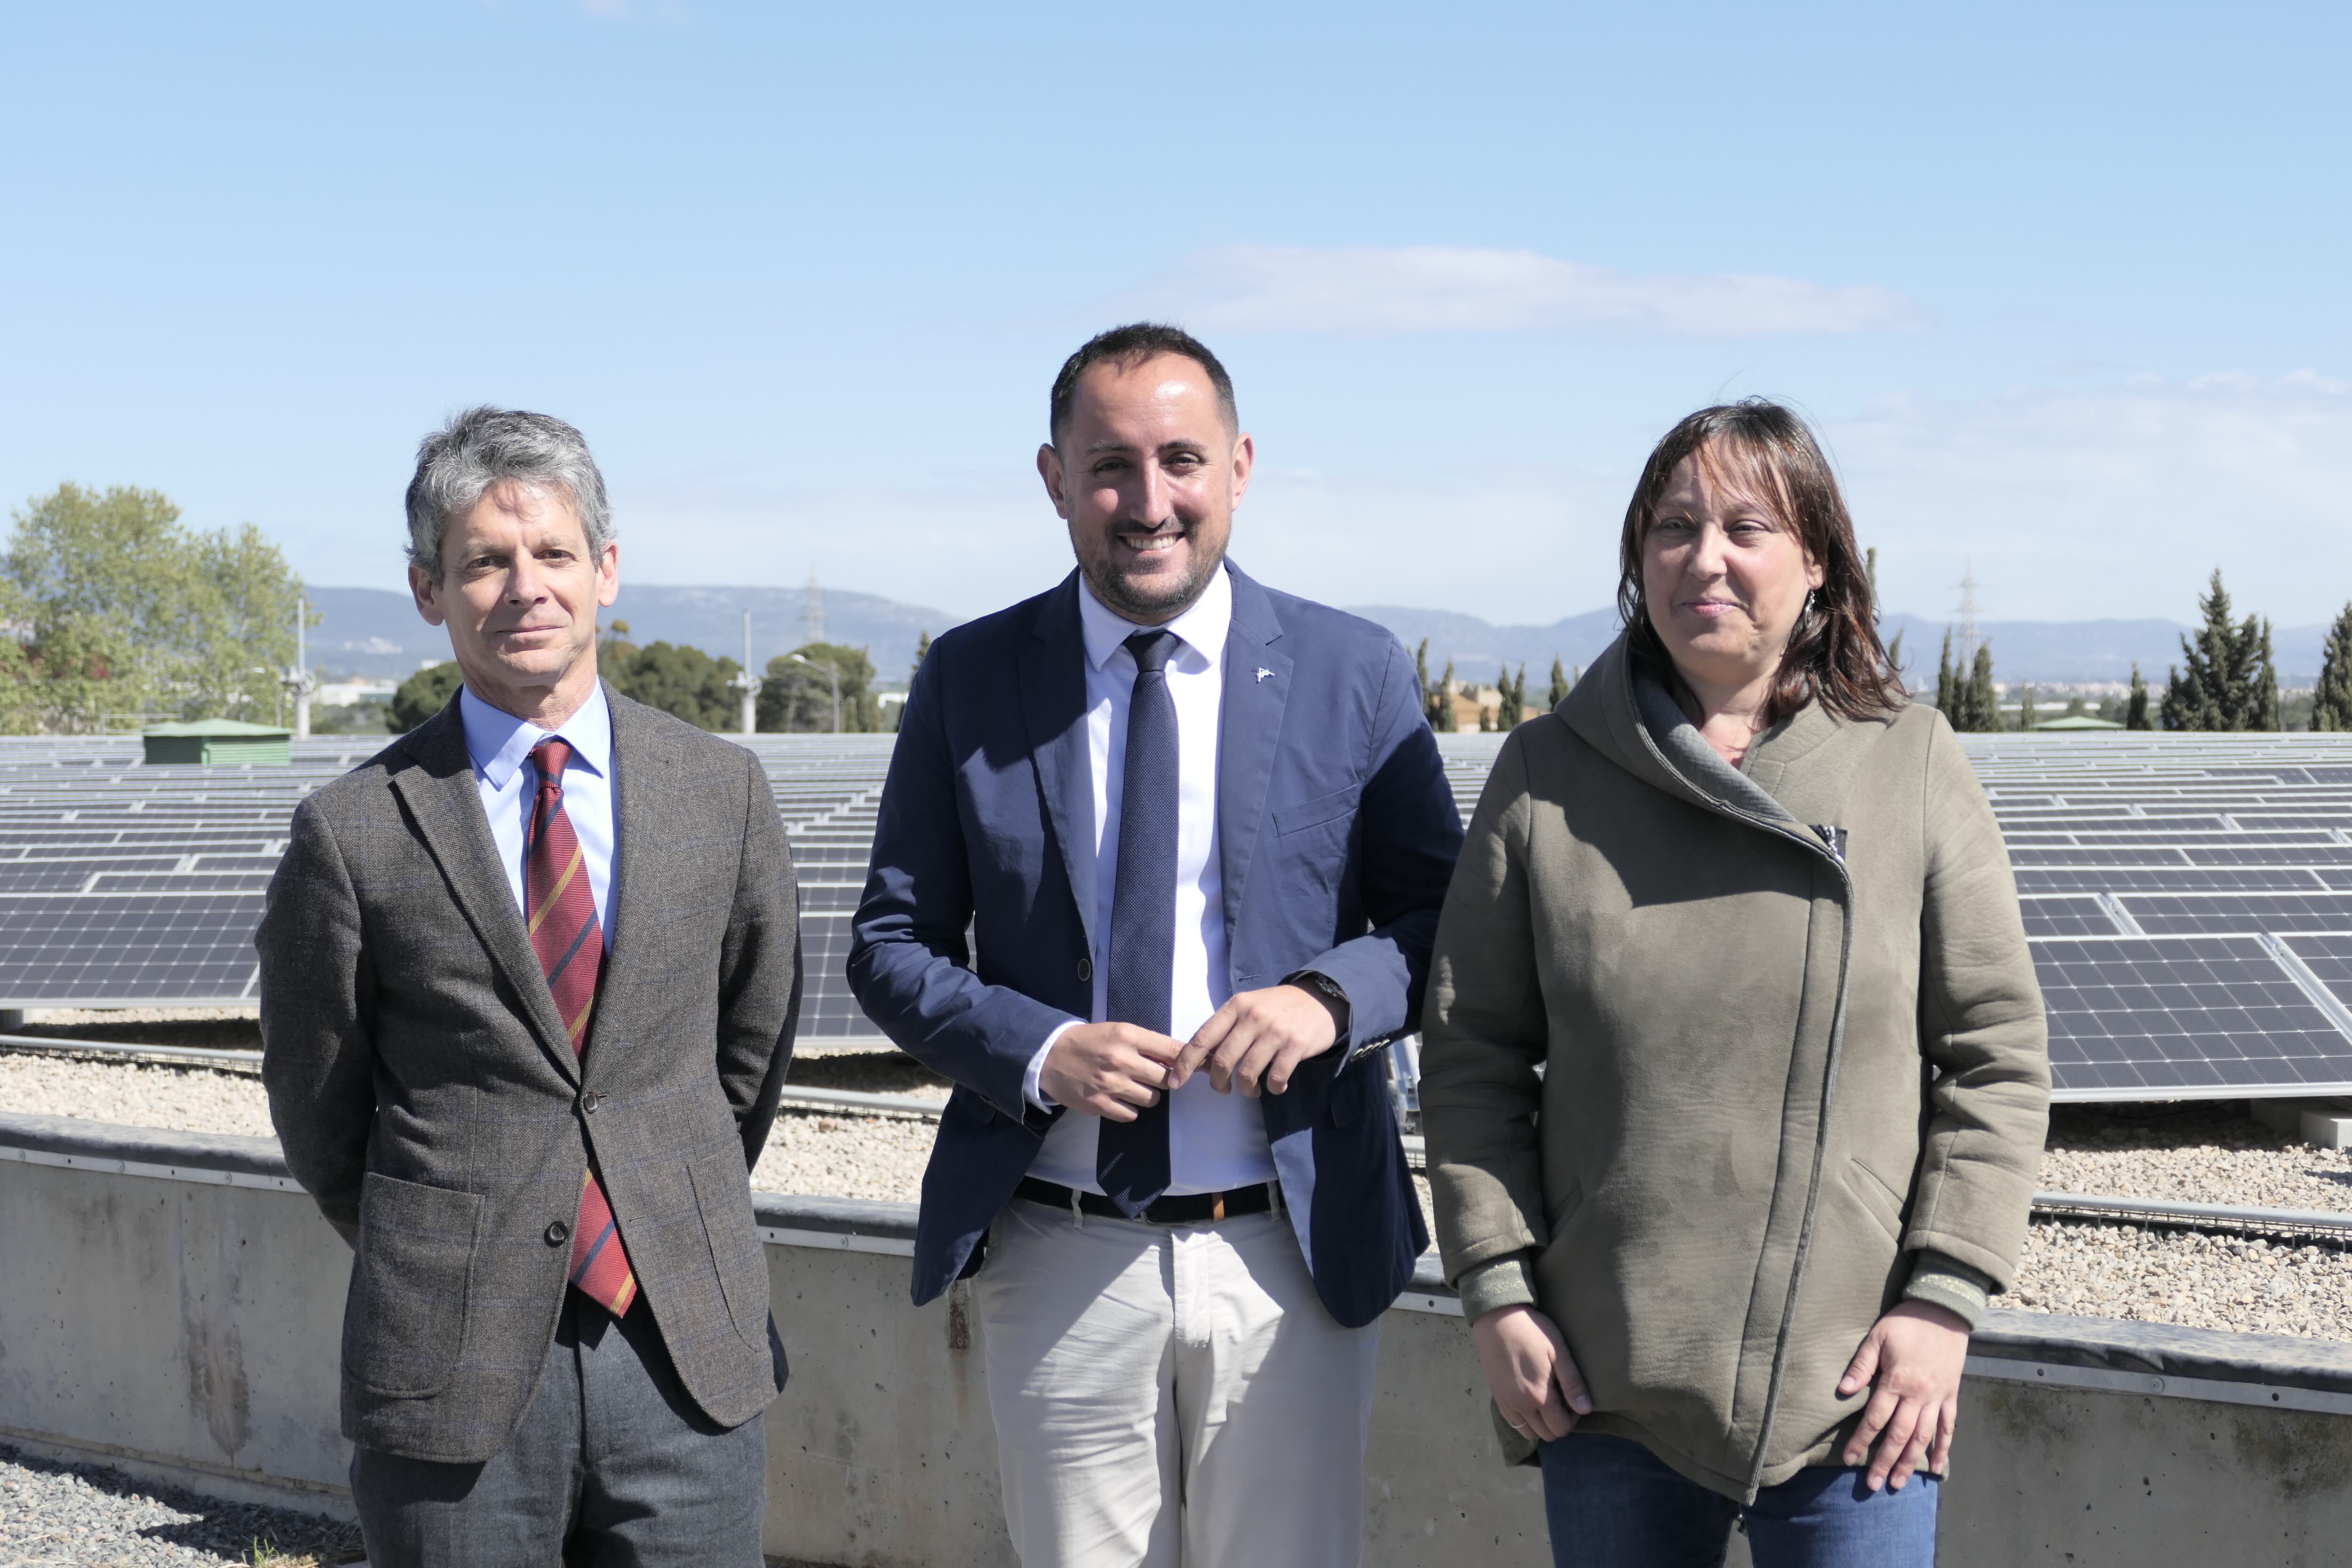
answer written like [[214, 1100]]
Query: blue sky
[[2062, 287]]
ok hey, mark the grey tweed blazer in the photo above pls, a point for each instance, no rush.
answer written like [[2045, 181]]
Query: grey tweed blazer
[[427, 1098]]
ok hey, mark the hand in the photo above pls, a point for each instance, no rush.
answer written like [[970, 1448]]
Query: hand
[[1259, 1037], [1109, 1070], [1528, 1371], [1914, 1355]]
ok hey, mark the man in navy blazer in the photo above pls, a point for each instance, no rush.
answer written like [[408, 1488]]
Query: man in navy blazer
[[1199, 833]]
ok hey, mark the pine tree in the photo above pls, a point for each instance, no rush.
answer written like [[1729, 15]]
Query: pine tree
[[1948, 690], [1560, 687], [1441, 702], [2331, 701], [2223, 676], [2025, 716], [2135, 712]]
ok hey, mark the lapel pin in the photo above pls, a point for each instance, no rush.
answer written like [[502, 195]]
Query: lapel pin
[[1264, 673]]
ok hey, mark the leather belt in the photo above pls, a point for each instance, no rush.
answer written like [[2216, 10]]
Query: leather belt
[[1193, 1208]]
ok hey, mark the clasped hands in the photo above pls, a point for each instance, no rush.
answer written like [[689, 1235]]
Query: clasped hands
[[1910, 1361], [1254, 1042]]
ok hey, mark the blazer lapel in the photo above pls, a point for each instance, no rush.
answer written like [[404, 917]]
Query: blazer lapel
[[1249, 734], [443, 797], [648, 811], [1054, 704]]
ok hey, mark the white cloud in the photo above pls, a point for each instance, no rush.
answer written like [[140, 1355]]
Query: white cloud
[[1371, 291], [2114, 500]]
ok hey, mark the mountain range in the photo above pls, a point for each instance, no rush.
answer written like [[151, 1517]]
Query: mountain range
[[368, 631]]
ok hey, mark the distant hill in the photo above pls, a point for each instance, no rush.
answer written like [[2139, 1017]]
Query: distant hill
[[2055, 651], [369, 631]]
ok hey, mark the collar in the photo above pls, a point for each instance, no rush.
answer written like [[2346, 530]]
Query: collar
[[497, 742], [1201, 628]]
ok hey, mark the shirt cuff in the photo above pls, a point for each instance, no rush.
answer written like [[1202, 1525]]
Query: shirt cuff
[[1030, 1090], [1506, 1281], [1946, 1282]]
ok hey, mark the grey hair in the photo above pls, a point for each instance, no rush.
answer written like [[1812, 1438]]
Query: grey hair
[[458, 463]]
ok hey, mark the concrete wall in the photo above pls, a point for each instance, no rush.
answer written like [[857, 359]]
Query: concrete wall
[[174, 1307]]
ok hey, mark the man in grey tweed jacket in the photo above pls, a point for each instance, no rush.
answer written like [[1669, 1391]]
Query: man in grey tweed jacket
[[528, 982]]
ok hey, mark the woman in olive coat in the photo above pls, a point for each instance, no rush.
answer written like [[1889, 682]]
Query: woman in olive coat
[[1735, 1070]]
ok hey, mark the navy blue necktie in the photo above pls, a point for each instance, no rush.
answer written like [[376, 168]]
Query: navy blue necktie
[[1131, 1159]]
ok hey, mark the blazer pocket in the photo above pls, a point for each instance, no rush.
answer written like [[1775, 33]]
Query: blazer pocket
[[722, 1191], [412, 1285], [1884, 1203], [1316, 813]]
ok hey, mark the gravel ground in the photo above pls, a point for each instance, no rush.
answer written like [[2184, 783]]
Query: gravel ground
[[2210, 1152], [75, 1515]]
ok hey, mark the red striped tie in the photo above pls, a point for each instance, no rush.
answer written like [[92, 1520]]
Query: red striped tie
[[564, 932]]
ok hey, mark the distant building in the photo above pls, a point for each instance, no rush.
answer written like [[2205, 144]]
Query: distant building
[[349, 693], [1481, 708]]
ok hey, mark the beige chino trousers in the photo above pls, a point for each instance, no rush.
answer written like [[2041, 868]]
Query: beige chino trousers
[[1171, 1397]]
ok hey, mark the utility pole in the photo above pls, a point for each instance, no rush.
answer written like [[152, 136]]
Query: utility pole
[[748, 683], [833, 670], [1969, 635], [299, 682]]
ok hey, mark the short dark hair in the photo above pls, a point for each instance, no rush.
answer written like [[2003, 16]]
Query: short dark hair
[[1834, 657], [1127, 347]]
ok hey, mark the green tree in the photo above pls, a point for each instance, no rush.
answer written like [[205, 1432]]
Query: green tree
[[132, 617], [423, 695], [2331, 700], [797, 698], [1421, 678], [2220, 681], [1978, 708], [681, 680], [2025, 715], [2263, 713], [1441, 702], [922, 651], [1947, 688], [1560, 685], [2136, 710]]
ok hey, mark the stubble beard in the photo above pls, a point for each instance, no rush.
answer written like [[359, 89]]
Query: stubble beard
[[1124, 596]]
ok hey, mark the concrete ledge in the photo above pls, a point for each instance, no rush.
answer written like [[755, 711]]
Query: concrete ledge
[[177, 1305]]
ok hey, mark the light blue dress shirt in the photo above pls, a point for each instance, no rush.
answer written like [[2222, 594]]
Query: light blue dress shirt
[[499, 745]]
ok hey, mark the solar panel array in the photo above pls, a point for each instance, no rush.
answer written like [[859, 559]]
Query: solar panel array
[[2188, 899]]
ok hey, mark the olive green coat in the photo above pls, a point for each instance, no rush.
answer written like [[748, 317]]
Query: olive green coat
[[1772, 1071]]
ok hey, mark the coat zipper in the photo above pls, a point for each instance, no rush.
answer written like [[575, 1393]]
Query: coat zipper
[[1830, 845]]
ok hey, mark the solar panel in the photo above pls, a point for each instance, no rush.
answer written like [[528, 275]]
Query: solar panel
[[2183, 914], [2183, 1018], [2066, 917]]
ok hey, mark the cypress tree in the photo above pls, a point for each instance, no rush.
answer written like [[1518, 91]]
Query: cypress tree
[[1560, 687], [2135, 713], [1948, 690], [2025, 718], [1421, 674], [2331, 701], [2262, 712], [1441, 702], [1983, 704]]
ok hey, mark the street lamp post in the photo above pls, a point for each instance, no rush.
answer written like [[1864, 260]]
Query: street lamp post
[[299, 682], [833, 670], [748, 683]]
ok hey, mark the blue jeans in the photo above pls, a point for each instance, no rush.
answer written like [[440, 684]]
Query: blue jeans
[[1610, 1503]]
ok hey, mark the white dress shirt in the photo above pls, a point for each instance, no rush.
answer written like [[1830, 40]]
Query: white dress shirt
[[1216, 1141], [499, 745]]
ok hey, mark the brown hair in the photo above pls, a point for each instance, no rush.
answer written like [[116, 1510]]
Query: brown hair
[[1834, 657]]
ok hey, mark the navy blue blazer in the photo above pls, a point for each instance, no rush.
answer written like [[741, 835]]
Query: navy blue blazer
[[1337, 836]]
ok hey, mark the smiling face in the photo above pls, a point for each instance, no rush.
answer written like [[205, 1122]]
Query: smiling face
[[1724, 576], [518, 591], [1147, 472]]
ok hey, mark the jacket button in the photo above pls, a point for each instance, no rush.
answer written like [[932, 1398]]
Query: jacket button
[[590, 1102], [558, 1234], [1086, 969]]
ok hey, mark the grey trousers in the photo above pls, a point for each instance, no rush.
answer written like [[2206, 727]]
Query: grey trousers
[[613, 1467]]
